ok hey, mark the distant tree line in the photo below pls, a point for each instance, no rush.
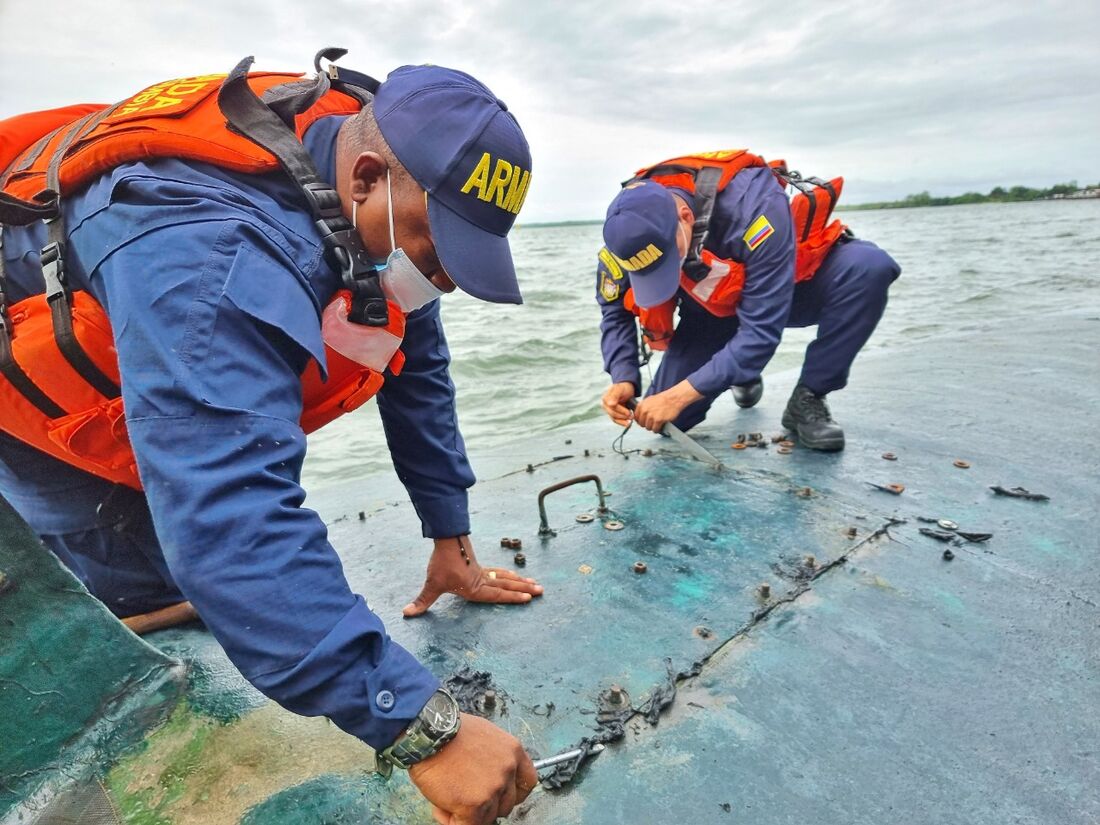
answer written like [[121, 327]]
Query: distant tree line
[[996, 195]]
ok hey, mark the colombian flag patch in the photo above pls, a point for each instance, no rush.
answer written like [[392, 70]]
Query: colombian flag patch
[[758, 232]]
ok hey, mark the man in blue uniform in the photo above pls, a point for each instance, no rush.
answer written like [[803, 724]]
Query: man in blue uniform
[[751, 225], [214, 282]]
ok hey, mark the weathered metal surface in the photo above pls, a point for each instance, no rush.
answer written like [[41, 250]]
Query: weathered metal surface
[[884, 684]]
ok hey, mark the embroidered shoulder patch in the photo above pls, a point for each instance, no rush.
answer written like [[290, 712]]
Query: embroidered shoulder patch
[[758, 232]]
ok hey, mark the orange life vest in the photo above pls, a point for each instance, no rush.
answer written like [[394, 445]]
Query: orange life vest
[[716, 283], [59, 375]]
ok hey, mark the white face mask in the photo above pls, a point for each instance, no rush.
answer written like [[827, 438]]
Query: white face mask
[[402, 282]]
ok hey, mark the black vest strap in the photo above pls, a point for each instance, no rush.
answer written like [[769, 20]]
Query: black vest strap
[[706, 194], [58, 292], [254, 119], [9, 367]]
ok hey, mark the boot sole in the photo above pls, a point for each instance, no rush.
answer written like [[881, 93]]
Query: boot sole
[[825, 445]]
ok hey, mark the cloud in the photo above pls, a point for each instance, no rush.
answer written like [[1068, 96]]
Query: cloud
[[897, 96]]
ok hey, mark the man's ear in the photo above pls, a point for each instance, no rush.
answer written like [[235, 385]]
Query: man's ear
[[368, 170]]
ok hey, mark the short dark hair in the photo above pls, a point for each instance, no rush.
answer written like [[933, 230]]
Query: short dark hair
[[361, 134]]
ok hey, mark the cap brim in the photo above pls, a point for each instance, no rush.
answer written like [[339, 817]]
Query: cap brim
[[658, 284], [479, 262]]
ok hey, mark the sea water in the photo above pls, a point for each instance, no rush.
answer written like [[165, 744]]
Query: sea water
[[533, 368]]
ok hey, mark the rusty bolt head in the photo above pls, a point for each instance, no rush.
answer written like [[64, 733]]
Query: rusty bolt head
[[647, 452], [505, 542], [615, 695], [740, 445], [962, 465], [805, 492], [890, 456], [852, 532], [489, 699], [703, 632], [896, 489], [517, 544], [948, 555], [519, 559], [809, 561], [362, 516], [640, 567], [764, 590]]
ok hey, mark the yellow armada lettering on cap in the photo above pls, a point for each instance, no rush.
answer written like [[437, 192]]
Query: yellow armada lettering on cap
[[506, 185], [641, 259]]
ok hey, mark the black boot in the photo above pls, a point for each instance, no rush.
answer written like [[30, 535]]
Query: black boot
[[748, 395], [808, 416]]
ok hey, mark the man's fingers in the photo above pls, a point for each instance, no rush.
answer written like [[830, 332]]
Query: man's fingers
[[421, 603], [440, 815], [498, 595], [507, 580], [526, 778]]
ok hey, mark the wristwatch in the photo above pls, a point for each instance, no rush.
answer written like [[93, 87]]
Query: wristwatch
[[435, 726]]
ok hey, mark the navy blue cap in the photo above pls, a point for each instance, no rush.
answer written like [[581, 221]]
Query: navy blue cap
[[466, 150], [640, 231]]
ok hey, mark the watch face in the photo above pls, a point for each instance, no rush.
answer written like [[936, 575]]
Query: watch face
[[440, 715]]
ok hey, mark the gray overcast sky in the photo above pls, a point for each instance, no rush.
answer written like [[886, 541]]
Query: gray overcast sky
[[895, 96]]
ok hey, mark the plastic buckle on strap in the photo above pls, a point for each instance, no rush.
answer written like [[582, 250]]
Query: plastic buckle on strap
[[53, 271], [324, 201]]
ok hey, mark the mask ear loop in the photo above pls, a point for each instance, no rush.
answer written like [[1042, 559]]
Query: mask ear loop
[[389, 201], [355, 214]]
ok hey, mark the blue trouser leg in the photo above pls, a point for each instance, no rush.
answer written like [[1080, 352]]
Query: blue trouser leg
[[845, 298], [101, 531], [699, 335]]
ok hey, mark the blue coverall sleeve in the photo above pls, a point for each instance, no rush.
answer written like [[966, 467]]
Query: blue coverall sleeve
[[418, 414], [765, 300], [618, 329], [214, 320]]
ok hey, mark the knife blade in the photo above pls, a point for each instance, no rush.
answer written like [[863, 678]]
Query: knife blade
[[690, 446]]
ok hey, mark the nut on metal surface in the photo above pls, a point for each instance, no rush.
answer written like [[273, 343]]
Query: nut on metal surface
[[948, 555], [809, 560], [784, 451], [613, 524], [764, 590], [640, 567], [852, 532], [890, 456], [584, 569], [786, 442], [585, 518], [947, 524], [489, 699], [804, 492], [740, 445], [962, 465], [362, 515], [519, 559]]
